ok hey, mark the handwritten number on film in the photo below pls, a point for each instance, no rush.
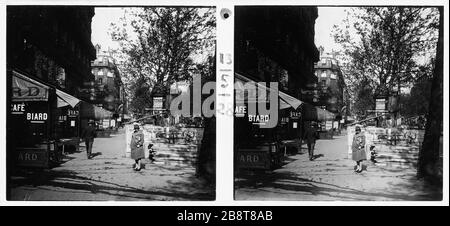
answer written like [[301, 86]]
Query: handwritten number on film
[[225, 60], [225, 109]]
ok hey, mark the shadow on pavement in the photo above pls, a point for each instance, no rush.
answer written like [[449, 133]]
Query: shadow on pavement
[[291, 183], [60, 180], [96, 154], [318, 156]]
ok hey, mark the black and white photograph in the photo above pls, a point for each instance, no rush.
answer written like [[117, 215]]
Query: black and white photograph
[[224, 111], [99, 103], [338, 103]]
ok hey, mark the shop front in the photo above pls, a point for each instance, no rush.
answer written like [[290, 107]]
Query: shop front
[[67, 126], [258, 146], [43, 121], [30, 122]]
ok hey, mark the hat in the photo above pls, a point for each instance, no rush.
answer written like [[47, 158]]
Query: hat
[[358, 129]]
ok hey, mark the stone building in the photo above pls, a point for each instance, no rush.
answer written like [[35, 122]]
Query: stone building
[[109, 88], [272, 44], [49, 51], [275, 43], [331, 84], [53, 44]]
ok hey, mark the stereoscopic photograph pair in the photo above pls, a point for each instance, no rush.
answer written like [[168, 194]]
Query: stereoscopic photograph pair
[[117, 103]]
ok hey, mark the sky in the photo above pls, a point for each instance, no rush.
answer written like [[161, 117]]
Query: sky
[[328, 16], [101, 24]]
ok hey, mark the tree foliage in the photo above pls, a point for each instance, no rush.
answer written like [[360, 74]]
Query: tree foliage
[[161, 46], [430, 162], [385, 45], [417, 101]]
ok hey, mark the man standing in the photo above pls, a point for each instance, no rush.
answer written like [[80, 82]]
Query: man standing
[[310, 135], [88, 135]]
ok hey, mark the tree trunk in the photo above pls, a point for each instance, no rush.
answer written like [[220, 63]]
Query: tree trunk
[[428, 163]]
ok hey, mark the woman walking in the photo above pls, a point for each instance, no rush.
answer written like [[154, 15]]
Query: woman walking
[[137, 147], [358, 149]]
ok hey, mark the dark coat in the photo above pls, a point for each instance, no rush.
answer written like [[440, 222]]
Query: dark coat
[[89, 133], [137, 145], [358, 147], [310, 134]]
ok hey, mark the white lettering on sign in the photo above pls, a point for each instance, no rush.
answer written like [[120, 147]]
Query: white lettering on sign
[[17, 107], [249, 158], [72, 113], [258, 118], [37, 116], [295, 114], [28, 157], [241, 109]]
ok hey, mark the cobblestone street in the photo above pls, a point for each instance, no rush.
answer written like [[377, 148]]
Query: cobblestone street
[[109, 176], [331, 177]]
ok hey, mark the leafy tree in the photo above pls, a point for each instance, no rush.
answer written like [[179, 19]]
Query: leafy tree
[[385, 45], [363, 98], [417, 101], [161, 46], [430, 162]]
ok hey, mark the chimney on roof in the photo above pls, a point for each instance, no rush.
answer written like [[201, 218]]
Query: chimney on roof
[[97, 49], [321, 50]]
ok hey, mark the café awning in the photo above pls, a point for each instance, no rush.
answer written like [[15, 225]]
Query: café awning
[[313, 113], [65, 99], [285, 100], [309, 111], [25, 88], [90, 111]]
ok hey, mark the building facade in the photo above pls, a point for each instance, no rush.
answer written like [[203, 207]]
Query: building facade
[[331, 85], [276, 44], [49, 51], [53, 44], [108, 85], [273, 44]]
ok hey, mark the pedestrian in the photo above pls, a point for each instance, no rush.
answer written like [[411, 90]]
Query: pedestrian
[[310, 135], [358, 149], [137, 147], [88, 135]]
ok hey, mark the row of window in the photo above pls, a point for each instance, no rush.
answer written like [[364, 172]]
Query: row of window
[[103, 71], [328, 61], [324, 74]]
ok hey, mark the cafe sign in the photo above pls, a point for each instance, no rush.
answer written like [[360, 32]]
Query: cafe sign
[[18, 108], [27, 89], [32, 157], [295, 115]]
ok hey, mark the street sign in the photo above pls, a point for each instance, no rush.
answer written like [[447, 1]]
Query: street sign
[[380, 104], [328, 125], [157, 103]]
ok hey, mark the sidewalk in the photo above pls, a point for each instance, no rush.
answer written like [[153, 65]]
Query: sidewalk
[[331, 177], [109, 176]]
